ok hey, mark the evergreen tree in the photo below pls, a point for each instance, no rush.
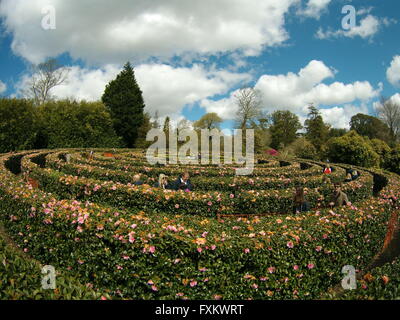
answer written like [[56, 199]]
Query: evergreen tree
[[317, 132], [124, 100]]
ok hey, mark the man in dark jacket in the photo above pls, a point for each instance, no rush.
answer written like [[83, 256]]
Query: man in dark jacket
[[182, 183]]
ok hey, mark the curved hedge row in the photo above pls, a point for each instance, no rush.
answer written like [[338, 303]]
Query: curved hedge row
[[144, 254]]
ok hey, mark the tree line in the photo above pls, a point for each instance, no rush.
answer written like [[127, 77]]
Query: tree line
[[119, 120]]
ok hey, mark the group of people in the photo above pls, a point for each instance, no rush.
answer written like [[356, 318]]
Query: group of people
[[338, 199], [181, 183]]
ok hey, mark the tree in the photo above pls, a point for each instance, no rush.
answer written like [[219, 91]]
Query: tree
[[302, 148], [337, 132], [381, 148], [249, 106], [45, 76], [124, 100], [283, 129], [392, 160], [18, 125], [146, 126], [208, 121], [317, 132], [389, 112], [371, 127], [352, 149], [155, 124]]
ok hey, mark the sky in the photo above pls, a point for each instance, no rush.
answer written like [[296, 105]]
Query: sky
[[191, 57]]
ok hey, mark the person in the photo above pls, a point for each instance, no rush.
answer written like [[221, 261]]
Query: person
[[299, 203], [183, 183], [162, 182], [91, 155], [136, 180], [327, 169], [339, 198], [354, 174], [349, 177]]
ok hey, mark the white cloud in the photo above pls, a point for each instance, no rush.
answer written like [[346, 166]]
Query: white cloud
[[165, 89], [393, 72], [295, 91], [3, 87], [396, 98], [106, 33], [339, 117], [367, 28], [314, 8]]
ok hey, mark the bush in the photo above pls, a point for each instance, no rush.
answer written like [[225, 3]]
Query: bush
[[69, 124], [18, 128], [392, 160], [302, 148], [352, 149]]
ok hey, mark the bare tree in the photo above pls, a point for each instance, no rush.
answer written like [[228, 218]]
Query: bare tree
[[389, 112], [249, 106], [45, 76]]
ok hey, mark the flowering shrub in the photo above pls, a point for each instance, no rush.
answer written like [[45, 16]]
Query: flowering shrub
[[139, 243]]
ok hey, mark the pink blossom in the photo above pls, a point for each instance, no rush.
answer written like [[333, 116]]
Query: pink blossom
[[177, 206], [154, 288], [231, 196], [254, 286], [296, 267], [209, 203], [318, 248], [199, 249], [152, 249], [213, 247], [131, 237], [193, 283], [133, 226], [247, 250], [290, 244], [271, 269], [310, 266]]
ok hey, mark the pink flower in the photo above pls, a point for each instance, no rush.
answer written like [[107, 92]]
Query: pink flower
[[119, 267], [103, 298], [247, 250], [310, 266], [318, 248], [152, 249], [231, 196], [213, 247], [203, 269], [80, 261], [209, 203], [296, 267], [290, 244], [325, 236], [217, 297], [193, 283], [199, 249], [271, 269], [254, 286], [133, 226], [180, 294], [177, 206], [131, 238], [154, 288], [125, 257]]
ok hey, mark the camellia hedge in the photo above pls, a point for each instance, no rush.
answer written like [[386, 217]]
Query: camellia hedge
[[139, 242]]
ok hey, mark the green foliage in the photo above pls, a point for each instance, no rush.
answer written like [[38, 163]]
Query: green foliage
[[371, 127], [302, 148], [208, 121], [142, 132], [124, 100], [317, 132], [18, 128], [70, 124], [352, 149], [285, 125], [392, 160]]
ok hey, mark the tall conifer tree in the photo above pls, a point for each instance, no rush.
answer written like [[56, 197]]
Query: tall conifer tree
[[124, 100]]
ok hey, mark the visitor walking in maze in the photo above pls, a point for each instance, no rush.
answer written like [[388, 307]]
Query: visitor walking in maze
[[183, 183], [349, 177], [339, 198], [299, 202], [162, 182], [136, 180]]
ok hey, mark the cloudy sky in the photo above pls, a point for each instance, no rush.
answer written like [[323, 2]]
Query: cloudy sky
[[191, 56]]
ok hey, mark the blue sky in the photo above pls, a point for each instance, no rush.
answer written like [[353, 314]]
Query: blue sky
[[190, 59]]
